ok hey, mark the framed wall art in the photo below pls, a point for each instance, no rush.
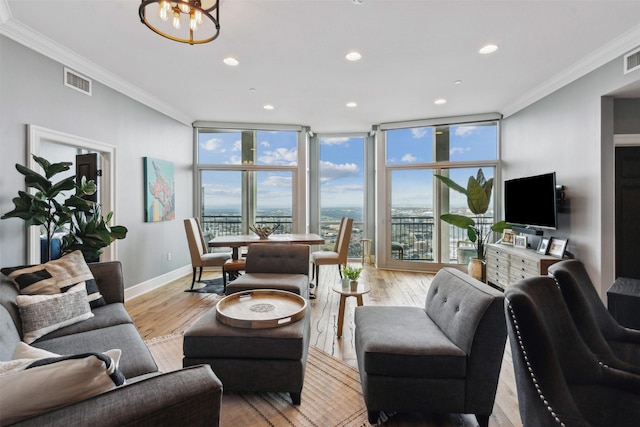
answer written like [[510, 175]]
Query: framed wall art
[[159, 200]]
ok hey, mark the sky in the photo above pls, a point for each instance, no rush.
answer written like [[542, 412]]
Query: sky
[[342, 165]]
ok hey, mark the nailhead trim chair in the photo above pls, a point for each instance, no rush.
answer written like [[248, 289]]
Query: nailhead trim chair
[[558, 379], [618, 346]]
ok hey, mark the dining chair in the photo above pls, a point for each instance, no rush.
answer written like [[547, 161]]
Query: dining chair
[[338, 256], [200, 258]]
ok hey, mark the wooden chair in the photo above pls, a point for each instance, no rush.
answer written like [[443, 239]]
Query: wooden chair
[[339, 254], [200, 258]]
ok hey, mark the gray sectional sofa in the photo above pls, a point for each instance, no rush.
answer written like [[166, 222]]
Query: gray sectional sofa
[[189, 396]]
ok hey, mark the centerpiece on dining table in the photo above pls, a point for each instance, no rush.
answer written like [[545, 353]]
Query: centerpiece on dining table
[[264, 231]]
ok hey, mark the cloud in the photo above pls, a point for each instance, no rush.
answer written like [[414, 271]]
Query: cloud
[[237, 145], [221, 190], [333, 140], [277, 181], [212, 144], [459, 150], [279, 156], [331, 171], [464, 130], [340, 189], [408, 158], [265, 144], [418, 132]]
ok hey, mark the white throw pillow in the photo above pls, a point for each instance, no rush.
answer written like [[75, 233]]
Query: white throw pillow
[[34, 386], [41, 314]]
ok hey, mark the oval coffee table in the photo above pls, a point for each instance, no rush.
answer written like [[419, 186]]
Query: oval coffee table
[[345, 292]]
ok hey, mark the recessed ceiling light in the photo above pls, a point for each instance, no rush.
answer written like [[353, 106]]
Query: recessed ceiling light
[[353, 56], [357, 1], [490, 48], [268, 107], [457, 82], [231, 61], [440, 101], [351, 104], [252, 89]]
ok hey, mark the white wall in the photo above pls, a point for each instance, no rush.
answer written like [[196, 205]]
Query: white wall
[[571, 132], [32, 92]]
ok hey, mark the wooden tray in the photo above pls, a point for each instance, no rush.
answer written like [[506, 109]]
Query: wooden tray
[[261, 308]]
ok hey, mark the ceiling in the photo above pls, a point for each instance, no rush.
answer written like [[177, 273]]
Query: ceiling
[[292, 56]]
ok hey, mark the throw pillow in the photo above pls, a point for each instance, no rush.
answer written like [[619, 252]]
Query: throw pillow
[[41, 314], [43, 384], [56, 276]]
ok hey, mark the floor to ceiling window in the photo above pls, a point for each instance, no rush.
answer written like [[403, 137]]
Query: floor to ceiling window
[[341, 176], [247, 177], [410, 233]]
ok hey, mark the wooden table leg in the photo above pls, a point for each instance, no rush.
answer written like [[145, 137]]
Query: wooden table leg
[[343, 300], [359, 299]]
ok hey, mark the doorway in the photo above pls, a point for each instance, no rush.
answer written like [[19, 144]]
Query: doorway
[[627, 205], [40, 140]]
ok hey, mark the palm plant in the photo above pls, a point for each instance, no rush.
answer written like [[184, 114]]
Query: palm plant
[[478, 194], [87, 230]]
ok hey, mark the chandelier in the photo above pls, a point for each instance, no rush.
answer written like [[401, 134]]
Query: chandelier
[[185, 21]]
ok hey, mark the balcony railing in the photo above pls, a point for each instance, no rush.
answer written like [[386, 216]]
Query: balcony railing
[[229, 225], [414, 234]]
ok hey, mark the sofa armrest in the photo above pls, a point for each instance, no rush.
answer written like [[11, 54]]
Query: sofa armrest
[[110, 280], [189, 397]]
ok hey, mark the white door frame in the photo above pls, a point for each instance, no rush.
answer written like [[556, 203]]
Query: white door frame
[[36, 135]]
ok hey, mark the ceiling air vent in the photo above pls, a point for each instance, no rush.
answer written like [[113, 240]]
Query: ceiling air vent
[[77, 81], [632, 61]]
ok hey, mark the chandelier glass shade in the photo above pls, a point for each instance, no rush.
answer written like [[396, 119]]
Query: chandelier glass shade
[[184, 21]]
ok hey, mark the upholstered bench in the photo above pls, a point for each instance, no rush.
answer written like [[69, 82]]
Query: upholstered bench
[[251, 360], [274, 266], [443, 357]]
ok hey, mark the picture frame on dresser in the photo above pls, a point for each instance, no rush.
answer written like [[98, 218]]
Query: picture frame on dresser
[[520, 242], [557, 247], [543, 246], [507, 237]]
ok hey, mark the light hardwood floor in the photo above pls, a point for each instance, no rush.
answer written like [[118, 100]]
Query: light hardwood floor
[[169, 310]]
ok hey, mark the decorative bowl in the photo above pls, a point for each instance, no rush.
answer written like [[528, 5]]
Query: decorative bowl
[[263, 231]]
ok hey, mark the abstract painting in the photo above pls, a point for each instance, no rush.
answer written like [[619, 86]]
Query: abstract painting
[[159, 193]]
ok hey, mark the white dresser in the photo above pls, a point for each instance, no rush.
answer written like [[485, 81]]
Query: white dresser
[[507, 264]]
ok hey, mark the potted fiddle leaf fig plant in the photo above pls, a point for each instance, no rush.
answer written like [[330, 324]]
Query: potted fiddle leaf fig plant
[[478, 194], [78, 219]]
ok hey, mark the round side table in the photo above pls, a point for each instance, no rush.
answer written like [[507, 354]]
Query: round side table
[[345, 292]]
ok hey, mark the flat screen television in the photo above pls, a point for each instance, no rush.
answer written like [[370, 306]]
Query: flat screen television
[[531, 201]]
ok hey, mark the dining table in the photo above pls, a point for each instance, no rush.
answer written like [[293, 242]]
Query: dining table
[[235, 242]]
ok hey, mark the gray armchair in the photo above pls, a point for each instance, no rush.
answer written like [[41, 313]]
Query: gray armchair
[[600, 331], [444, 357], [558, 379]]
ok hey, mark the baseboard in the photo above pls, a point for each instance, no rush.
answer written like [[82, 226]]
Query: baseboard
[[156, 282]]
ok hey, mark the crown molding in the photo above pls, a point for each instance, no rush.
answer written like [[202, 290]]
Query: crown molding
[[35, 41], [612, 50]]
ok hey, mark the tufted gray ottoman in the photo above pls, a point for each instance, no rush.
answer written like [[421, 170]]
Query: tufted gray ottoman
[[251, 360]]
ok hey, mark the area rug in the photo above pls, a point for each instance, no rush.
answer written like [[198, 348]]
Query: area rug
[[212, 286], [331, 396]]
